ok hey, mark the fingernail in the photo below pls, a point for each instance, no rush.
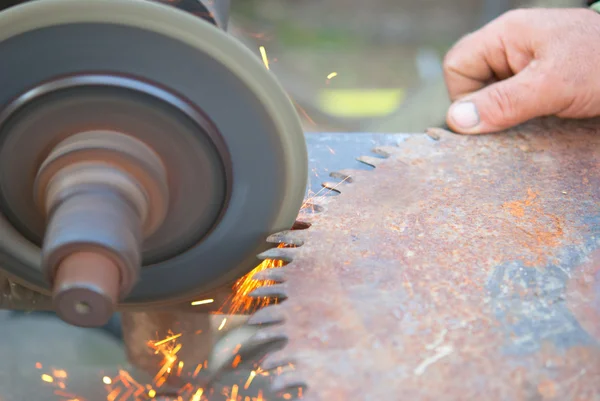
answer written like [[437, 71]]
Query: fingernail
[[464, 115]]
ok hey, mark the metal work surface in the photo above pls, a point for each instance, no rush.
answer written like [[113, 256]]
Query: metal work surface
[[461, 267]]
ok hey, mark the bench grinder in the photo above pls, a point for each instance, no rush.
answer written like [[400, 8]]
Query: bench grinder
[[145, 156]]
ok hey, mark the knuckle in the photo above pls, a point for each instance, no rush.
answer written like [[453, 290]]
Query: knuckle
[[502, 106], [453, 58], [513, 20], [450, 62], [513, 16]]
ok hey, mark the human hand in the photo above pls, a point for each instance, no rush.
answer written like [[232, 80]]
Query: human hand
[[527, 63]]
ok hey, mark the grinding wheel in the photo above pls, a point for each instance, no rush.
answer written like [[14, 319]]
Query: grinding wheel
[[224, 138]]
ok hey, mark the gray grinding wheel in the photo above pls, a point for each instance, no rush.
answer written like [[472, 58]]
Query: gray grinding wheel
[[228, 134]]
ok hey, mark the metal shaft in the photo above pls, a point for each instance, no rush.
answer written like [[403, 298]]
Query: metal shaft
[[103, 193], [92, 252]]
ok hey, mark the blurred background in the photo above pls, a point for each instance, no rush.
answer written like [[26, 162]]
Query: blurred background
[[365, 66]]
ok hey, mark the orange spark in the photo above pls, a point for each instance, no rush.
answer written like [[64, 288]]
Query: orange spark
[[203, 302], [308, 201], [236, 361], [249, 381], [168, 349], [198, 395], [304, 113], [241, 301], [113, 394], [161, 380], [47, 378], [166, 340], [222, 324], [265, 59], [234, 392], [60, 374]]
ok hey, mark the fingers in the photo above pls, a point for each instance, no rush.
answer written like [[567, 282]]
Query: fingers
[[495, 52], [466, 66], [504, 104], [494, 79], [523, 65]]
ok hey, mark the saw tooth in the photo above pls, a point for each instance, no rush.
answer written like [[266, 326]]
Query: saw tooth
[[287, 382], [276, 291], [332, 186], [285, 254], [385, 151], [342, 175], [267, 315], [370, 161], [269, 339], [276, 360], [437, 133], [310, 208], [414, 140], [274, 274], [289, 237], [300, 225], [221, 358]]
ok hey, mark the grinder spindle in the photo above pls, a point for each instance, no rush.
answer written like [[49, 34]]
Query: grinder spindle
[[103, 193]]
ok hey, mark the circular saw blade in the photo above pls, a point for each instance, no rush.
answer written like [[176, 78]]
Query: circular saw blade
[[457, 260], [181, 53]]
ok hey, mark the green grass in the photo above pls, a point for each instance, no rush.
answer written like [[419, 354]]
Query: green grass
[[292, 36]]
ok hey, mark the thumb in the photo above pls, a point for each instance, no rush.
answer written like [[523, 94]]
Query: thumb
[[505, 104]]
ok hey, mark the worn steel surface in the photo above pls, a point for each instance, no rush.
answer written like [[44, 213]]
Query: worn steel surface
[[459, 268]]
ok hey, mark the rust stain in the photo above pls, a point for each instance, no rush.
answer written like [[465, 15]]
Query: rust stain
[[517, 208], [537, 230], [547, 389]]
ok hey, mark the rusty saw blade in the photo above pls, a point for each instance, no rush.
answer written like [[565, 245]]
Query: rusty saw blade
[[461, 266]]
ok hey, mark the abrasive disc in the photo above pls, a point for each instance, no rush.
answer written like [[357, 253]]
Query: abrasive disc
[[231, 139]]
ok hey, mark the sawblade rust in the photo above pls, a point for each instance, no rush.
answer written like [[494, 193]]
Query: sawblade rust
[[461, 267]]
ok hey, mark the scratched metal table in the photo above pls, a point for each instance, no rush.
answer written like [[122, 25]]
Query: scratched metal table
[[89, 355]]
